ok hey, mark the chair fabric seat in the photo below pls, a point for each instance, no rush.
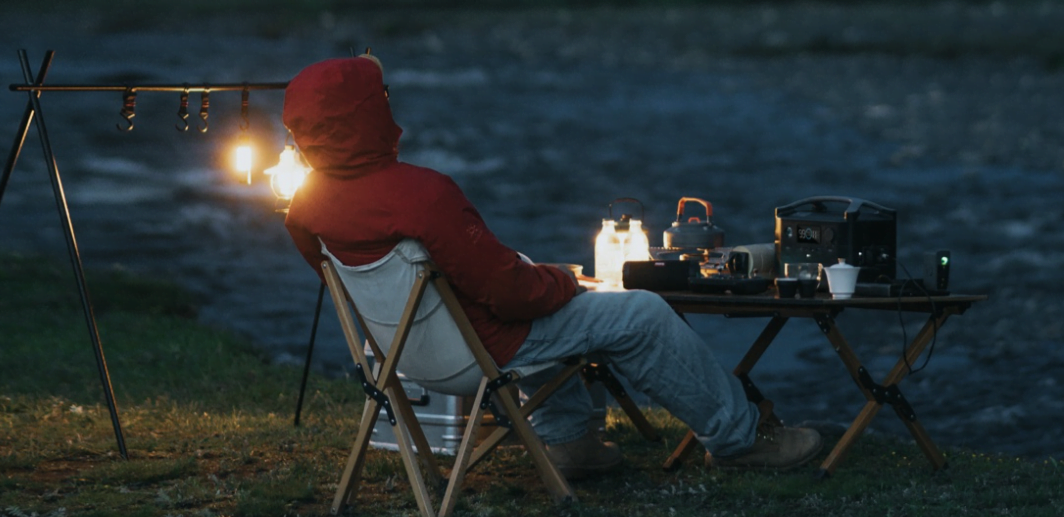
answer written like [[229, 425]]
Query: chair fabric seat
[[436, 355]]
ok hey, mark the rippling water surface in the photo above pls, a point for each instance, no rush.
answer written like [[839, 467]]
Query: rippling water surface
[[542, 147]]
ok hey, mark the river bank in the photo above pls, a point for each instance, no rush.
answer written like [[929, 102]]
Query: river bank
[[948, 113]]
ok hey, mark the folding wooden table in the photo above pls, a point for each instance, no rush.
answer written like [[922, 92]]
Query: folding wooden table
[[823, 309]]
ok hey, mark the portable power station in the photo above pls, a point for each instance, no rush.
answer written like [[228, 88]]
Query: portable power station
[[828, 228]]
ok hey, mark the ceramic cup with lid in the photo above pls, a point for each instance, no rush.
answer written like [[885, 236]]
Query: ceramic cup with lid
[[842, 279]]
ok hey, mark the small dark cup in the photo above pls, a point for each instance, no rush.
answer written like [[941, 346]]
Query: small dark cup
[[807, 287], [786, 287]]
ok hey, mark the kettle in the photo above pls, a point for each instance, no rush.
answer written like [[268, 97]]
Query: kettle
[[693, 233]]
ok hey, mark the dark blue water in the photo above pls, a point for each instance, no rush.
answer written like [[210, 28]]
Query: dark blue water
[[542, 146]]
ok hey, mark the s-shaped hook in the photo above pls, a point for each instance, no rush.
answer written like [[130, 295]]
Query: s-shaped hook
[[129, 104], [205, 104], [182, 110]]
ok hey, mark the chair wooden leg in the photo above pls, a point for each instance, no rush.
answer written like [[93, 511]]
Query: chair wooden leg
[[410, 458], [556, 483], [345, 493], [537, 398], [682, 451], [424, 450], [489, 444], [461, 461]]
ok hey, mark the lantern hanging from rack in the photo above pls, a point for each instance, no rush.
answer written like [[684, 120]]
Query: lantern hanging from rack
[[243, 148], [288, 174], [242, 156]]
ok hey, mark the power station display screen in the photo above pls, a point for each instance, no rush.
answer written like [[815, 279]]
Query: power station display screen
[[809, 234]]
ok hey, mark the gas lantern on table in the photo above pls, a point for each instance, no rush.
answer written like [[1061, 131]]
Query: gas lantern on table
[[618, 242]]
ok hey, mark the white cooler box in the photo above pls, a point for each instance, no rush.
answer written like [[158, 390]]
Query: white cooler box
[[443, 417]]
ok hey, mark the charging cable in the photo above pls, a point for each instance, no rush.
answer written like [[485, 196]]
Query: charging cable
[[901, 321]]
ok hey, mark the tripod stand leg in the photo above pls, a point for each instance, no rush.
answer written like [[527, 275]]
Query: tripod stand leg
[[310, 352], [75, 258], [24, 127]]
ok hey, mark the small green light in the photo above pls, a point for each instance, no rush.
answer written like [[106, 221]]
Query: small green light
[[945, 261]]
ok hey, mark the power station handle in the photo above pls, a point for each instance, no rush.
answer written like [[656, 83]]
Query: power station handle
[[853, 205], [683, 200]]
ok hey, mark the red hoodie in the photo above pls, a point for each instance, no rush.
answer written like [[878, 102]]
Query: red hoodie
[[361, 201]]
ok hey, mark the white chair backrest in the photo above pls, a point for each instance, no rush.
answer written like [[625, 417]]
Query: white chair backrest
[[435, 355]]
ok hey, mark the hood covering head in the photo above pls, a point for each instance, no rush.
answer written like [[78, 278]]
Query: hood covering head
[[339, 114]]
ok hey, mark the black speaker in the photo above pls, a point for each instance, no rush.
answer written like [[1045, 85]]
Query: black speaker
[[659, 275], [936, 270]]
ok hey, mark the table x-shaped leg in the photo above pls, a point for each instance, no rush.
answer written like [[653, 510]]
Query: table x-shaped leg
[[753, 355], [885, 393]]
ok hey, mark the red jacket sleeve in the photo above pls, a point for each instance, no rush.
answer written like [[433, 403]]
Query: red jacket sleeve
[[481, 267]]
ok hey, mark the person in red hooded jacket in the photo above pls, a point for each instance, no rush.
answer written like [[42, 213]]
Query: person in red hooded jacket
[[361, 201]]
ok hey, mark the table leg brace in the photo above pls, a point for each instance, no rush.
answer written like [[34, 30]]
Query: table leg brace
[[877, 394]]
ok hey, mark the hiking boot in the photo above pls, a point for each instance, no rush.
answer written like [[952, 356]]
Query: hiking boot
[[584, 456], [775, 448]]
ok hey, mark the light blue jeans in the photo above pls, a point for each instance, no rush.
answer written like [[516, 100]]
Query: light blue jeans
[[647, 343]]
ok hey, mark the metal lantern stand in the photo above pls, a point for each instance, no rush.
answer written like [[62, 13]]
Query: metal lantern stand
[[34, 88]]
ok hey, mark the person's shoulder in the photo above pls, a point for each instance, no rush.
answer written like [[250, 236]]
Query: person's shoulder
[[422, 172], [430, 180]]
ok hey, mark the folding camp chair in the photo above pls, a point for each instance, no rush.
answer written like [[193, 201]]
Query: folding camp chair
[[431, 312]]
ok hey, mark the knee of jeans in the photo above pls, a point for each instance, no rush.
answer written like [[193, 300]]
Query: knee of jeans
[[650, 307]]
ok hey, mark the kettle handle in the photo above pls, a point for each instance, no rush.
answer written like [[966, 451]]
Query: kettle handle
[[683, 200], [642, 211]]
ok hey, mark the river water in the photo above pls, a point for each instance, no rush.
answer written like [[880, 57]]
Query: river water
[[543, 127]]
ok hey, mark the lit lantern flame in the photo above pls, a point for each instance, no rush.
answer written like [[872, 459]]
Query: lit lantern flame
[[243, 157], [288, 174]]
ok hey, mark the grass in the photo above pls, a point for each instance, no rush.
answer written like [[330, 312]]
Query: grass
[[209, 430]]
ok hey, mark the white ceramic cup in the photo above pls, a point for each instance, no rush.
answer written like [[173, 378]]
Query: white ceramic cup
[[842, 279]]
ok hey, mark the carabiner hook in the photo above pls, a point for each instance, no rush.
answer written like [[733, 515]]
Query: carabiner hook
[[182, 110], [205, 104], [129, 104]]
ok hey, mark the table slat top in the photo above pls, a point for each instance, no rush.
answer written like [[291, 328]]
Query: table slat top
[[769, 302]]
